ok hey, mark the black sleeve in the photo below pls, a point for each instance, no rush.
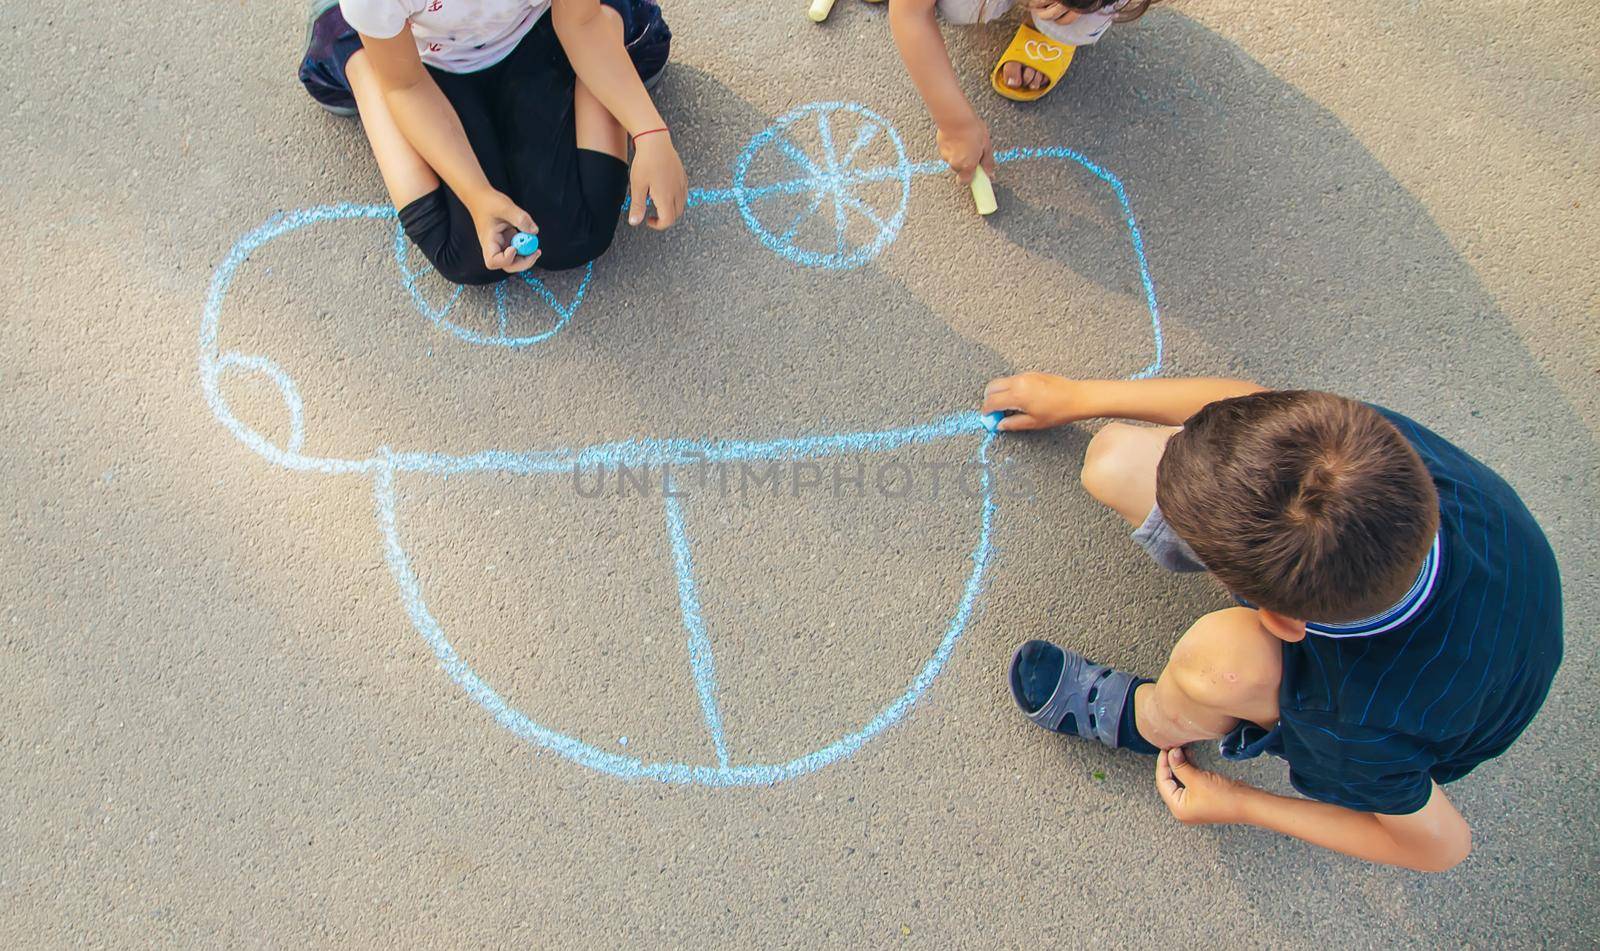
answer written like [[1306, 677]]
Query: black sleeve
[[1357, 767]]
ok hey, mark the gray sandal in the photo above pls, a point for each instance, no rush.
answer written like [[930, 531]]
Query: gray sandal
[[1065, 693]]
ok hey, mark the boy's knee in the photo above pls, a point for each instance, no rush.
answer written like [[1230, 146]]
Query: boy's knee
[[1227, 662], [1205, 684], [1109, 461]]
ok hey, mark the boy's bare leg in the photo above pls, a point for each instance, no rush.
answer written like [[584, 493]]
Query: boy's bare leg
[[406, 175], [597, 129], [1119, 468], [1226, 667]]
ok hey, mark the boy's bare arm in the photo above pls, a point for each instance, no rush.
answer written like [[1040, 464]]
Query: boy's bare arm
[[963, 138], [1042, 400], [1435, 838]]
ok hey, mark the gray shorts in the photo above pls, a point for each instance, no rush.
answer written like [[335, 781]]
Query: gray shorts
[[1158, 539]]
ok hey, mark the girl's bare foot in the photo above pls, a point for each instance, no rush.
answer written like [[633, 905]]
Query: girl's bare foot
[[1019, 76]]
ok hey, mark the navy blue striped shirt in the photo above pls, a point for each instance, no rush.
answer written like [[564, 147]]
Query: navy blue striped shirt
[[1372, 712]]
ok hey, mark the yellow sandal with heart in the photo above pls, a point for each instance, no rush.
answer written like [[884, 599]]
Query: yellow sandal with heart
[[1032, 48]]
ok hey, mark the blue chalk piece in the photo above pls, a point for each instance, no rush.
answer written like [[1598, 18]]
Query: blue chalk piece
[[991, 421], [623, 740], [525, 243]]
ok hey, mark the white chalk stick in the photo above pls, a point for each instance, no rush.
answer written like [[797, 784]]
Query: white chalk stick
[[820, 10], [983, 192]]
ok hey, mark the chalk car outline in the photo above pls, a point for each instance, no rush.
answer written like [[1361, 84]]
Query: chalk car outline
[[830, 179]]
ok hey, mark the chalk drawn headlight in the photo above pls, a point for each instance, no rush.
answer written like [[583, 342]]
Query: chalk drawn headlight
[[855, 184]]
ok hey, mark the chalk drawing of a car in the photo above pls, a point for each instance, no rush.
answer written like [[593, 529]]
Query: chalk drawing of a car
[[831, 184]]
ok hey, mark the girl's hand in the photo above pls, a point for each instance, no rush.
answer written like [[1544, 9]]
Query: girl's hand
[[1195, 796], [497, 220], [966, 146], [658, 176], [1037, 401]]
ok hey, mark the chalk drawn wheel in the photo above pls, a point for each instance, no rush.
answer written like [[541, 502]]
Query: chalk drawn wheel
[[501, 333], [825, 185]]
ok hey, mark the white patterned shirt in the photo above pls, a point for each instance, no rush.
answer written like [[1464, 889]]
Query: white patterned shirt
[[457, 36]]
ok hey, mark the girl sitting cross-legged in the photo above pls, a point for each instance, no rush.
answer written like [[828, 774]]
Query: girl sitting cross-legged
[[493, 117]]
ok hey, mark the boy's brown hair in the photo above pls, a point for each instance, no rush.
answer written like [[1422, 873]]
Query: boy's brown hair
[[1304, 503]]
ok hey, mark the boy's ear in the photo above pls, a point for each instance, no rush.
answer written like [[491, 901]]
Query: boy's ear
[[1283, 628]]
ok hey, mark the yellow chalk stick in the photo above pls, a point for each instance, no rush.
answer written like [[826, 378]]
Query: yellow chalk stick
[[820, 10], [983, 192]]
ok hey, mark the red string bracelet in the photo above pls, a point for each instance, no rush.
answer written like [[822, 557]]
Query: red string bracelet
[[647, 132]]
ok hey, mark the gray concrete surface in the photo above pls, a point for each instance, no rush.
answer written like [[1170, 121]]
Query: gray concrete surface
[[225, 730]]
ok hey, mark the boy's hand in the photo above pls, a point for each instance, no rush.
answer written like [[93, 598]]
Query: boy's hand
[[1195, 796], [1036, 400], [965, 146], [658, 175], [497, 220]]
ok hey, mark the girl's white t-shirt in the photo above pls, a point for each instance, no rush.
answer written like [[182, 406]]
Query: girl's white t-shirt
[[458, 36]]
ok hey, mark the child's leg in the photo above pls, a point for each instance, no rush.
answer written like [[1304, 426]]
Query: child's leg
[[967, 12], [1119, 468], [1068, 28], [565, 154], [1226, 667], [434, 218]]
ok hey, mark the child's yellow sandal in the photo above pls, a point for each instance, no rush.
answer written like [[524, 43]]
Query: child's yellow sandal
[[1032, 48]]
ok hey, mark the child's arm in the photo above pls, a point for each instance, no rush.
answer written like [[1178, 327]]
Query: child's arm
[[603, 65], [1435, 838], [963, 138], [430, 124], [1042, 400]]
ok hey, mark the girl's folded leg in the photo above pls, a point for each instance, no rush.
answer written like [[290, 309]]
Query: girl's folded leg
[[436, 219], [433, 218], [540, 138], [564, 153], [441, 227]]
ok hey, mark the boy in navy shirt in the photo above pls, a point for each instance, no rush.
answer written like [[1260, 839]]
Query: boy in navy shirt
[[1400, 617]]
